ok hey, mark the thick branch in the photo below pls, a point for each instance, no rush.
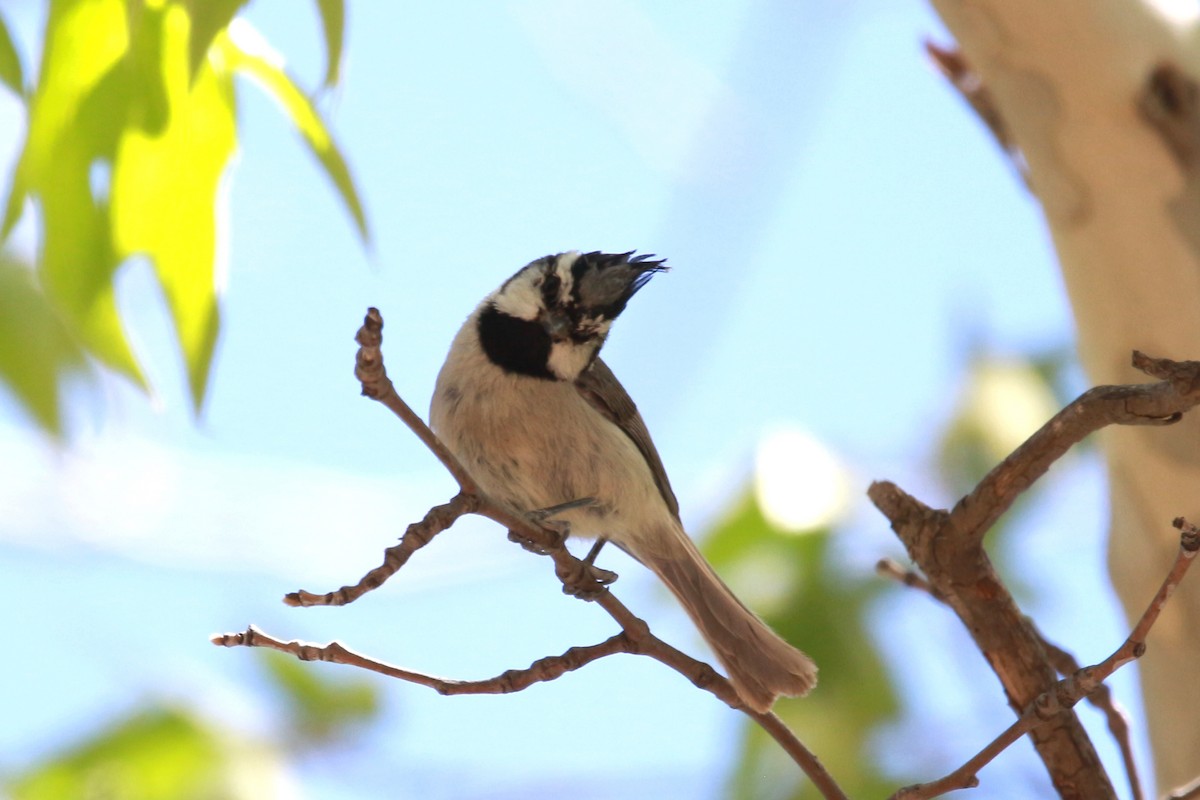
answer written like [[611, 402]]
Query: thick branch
[[1064, 663], [1065, 694], [947, 546], [1162, 403]]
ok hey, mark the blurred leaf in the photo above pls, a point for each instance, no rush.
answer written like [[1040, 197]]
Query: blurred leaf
[[321, 710], [166, 201], [209, 18], [131, 128], [333, 23], [1003, 403], [77, 113], [248, 58], [11, 72], [38, 351], [157, 754], [792, 580]]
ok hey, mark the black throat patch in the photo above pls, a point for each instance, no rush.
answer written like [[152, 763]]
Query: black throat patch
[[515, 345]]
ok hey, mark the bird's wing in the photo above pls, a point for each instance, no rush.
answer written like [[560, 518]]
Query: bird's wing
[[601, 388]]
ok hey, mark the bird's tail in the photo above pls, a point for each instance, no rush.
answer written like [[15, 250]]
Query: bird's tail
[[761, 665]]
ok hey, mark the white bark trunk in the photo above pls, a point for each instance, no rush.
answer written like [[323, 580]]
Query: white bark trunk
[[1123, 208]]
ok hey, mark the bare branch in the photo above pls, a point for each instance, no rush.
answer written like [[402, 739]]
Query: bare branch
[[1065, 694], [579, 579], [948, 549], [1064, 663], [377, 385], [951, 62], [890, 568], [514, 680], [417, 536], [1160, 403]]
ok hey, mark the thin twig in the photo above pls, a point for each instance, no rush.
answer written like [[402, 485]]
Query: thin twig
[[514, 680], [1114, 713], [377, 385], [1065, 694], [417, 536]]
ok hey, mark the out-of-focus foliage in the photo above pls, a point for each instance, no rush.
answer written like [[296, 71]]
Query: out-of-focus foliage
[[171, 753], [1003, 402], [158, 753], [793, 581], [131, 127], [49, 354], [319, 710]]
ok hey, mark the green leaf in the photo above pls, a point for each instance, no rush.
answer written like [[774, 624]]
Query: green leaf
[[321, 710], [260, 67], [11, 72], [156, 754], [166, 200], [209, 18], [39, 351], [76, 117], [333, 24]]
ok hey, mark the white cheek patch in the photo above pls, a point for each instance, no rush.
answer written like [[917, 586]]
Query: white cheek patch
[[520, 298], [568, 360]]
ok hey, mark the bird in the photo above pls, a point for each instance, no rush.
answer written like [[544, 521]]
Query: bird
[[540, 422]]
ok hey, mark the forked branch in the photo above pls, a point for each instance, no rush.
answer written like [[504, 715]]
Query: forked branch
[[578, 578], [947, 545]]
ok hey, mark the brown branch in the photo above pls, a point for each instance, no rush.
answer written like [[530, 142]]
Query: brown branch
[[1161, 403], [578, 578], [415, 537], [1049, 706], [947, 546], [369, 370], [953, 65], [1064, 663], [514, 680]]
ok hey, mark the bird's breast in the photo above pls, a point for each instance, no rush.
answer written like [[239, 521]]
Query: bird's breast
[[537, 443]]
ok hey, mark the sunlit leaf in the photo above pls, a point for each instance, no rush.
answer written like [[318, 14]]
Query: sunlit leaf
[[157, 754], [333, 23], [166, 201], [38, 350], [321, 709], [247, 58], [11, 72], [209, 18], [77, 113], [1002, 403]]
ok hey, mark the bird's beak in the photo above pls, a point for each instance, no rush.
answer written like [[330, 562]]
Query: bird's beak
[[556, 324]]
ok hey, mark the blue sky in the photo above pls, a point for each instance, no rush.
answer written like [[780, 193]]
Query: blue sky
[[841, 233]]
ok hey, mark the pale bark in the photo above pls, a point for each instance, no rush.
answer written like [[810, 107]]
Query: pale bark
[[1121, 196]]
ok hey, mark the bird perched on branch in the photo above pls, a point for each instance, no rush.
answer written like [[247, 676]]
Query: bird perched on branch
[[528, 407]]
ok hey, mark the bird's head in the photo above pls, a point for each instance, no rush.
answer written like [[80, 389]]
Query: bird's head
[[550, 318]]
